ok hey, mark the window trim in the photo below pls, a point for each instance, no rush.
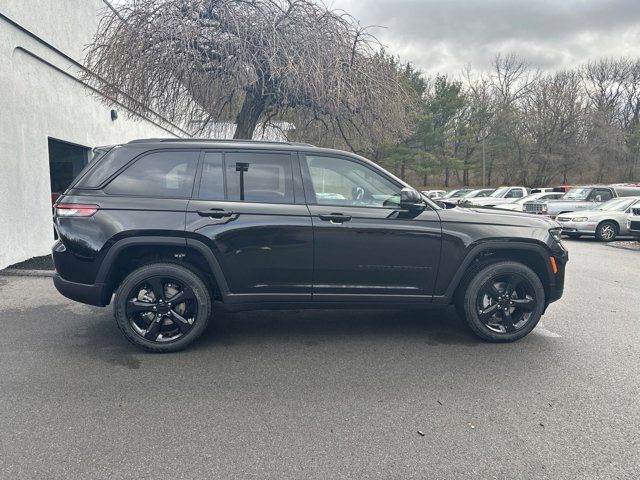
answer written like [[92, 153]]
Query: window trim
[[310, 190], [224, 151], [144, 154]]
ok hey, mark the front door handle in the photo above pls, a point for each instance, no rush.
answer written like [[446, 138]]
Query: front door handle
[[335, 218], [215, 213]]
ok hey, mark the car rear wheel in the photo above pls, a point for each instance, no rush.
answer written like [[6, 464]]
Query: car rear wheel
[[162, 307], [607, 231], [502, 301]]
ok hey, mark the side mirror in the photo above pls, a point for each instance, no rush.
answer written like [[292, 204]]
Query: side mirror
[[410, 199], [598, 198]]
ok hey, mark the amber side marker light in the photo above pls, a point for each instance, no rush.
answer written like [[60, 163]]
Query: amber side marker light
[[554, 266]]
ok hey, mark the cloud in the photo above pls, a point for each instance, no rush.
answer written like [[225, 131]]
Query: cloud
[[447, 35]]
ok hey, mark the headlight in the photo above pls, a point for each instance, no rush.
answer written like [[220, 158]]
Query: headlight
[[555, 233], [544, 208], [579, 219]]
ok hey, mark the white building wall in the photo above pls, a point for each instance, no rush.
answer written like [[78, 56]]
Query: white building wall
[[41, 96]]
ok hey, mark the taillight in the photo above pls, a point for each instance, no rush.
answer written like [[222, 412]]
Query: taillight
[[73, 210]]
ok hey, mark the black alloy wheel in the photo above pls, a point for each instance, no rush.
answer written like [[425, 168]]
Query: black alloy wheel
[[501, 301], [162, 307], [506, 302]]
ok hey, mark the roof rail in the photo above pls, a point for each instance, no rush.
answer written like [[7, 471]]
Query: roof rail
[[220, 140]]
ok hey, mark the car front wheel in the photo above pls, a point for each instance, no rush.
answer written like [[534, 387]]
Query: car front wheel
[[607, 231], [162, 307], [502, 301]]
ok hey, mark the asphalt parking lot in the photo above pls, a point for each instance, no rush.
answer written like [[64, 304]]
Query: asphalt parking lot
[[328, 394]]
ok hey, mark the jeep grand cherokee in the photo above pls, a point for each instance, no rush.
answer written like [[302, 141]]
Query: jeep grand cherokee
[[167, 228]]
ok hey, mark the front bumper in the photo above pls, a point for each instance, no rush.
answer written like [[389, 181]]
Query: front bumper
[[583, 228], [94, 294]]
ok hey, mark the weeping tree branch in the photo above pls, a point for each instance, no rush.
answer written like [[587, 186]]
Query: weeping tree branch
[[245, 61]]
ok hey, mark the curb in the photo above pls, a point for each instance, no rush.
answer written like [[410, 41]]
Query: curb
[[626, 246], [16, 272]]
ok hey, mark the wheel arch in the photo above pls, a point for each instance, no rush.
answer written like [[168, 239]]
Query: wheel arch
[[611, 220], [533, 255], [129, 253]]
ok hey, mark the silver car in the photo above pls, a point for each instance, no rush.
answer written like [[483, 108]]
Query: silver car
[[605, 222]]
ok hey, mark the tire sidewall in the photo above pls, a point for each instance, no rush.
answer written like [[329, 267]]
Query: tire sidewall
[[480, 278], [184, 275]]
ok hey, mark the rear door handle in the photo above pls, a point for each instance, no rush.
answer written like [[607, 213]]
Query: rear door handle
[[215, 213], [335, 218]]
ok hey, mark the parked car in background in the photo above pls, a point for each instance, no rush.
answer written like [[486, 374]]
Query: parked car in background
[[434, 194], [451, 194], [633, 222], [499, 196], [580, 198], [605, 222], [518, 204], [478, 193], [559, 188]]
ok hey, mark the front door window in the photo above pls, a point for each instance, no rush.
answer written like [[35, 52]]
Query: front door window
[[338, 181]]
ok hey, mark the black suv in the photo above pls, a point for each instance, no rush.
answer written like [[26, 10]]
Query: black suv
[[172, 226]]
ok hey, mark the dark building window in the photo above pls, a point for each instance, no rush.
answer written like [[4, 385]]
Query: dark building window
[[66, 160]]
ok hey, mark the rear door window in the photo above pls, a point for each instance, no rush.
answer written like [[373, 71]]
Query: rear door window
[[263, 177], [159, 174]]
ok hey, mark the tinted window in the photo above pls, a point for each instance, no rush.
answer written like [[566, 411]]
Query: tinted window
[[212, 181], [338, 181], [514, 193], [259, 177], [159, 174]]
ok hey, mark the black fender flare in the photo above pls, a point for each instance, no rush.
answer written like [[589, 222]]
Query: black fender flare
[[495, 246], [115, 250]]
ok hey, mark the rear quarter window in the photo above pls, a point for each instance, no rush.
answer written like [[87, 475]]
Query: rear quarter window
[[159, 174]]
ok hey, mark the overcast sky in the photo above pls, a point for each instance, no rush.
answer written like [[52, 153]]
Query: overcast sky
[[446, 35]]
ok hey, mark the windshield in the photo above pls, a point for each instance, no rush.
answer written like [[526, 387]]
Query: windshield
[[478, 193], [528, 198], [577, 194], [500, 192], [617, 204], [456, 193]]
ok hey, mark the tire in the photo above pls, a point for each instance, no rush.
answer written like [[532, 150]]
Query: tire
[[574, 236], [607, 231], [150, 320], [512, 317]]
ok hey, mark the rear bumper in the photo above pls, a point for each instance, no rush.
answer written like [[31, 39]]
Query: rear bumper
[[94, 294]]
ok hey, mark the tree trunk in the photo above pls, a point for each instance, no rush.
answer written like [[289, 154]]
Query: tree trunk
[[402, 171], [446, 177], [247, 119]]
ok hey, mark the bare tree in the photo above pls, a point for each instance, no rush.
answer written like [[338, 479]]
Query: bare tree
[[250, 62]]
